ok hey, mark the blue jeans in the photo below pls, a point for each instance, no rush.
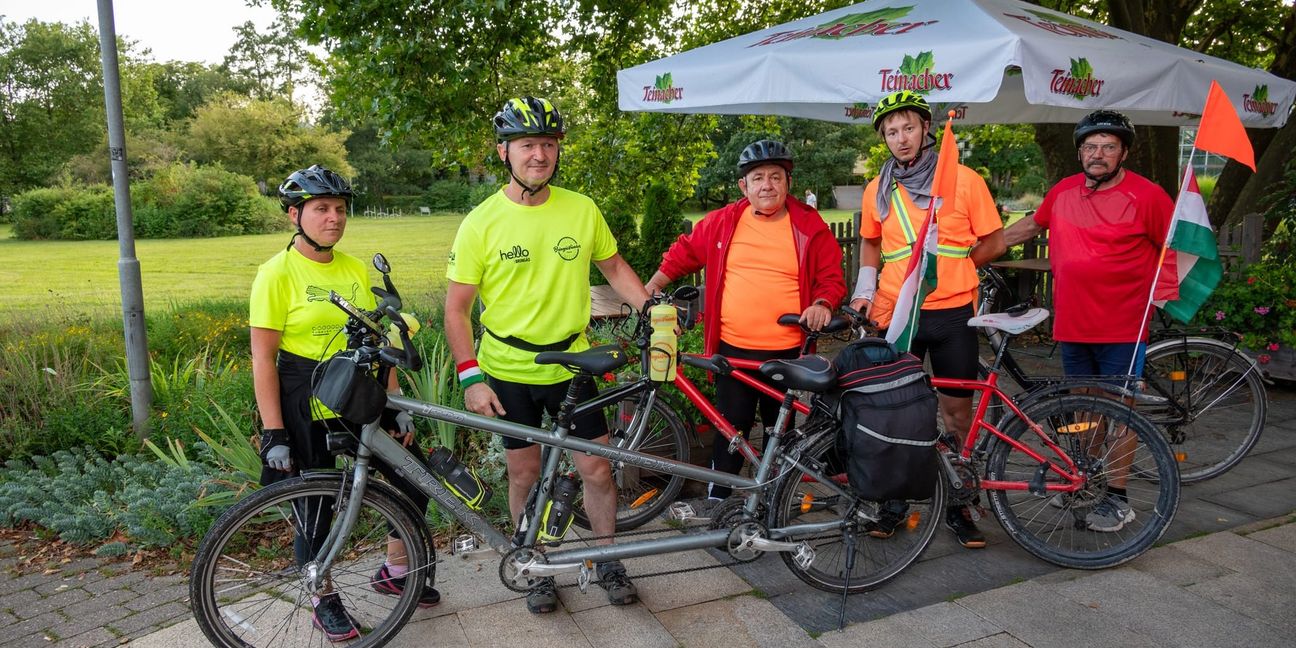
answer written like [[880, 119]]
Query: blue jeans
[[1103, 359]]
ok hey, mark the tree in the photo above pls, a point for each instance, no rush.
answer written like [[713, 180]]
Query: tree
[[434, 71], [267, 64], [1007, 152], [265, 140], [51, 100]]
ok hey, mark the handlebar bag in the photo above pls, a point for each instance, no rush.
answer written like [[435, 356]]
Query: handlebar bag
[[887, 410], [349, 390]]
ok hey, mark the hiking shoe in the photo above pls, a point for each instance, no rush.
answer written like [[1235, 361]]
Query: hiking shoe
[[890, 515], [612, 577], [384, 583], [965, 530], [331, 617], [543, 598], [1110, 515]]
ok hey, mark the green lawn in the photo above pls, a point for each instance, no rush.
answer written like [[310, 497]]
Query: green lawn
[[82, 275]]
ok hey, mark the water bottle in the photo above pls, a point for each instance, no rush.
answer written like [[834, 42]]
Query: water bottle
[[663, 344], [559, 512], [459, 479]]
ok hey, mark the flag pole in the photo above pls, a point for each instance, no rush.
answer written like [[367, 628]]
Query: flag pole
[[1165, 245]]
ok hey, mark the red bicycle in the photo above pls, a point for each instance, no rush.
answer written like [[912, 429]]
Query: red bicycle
[[1049, 465]]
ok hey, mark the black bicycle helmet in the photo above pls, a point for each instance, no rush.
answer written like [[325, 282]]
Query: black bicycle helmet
[[1105, 121], [528, 117], [902, 100], [313, 182], [764, 152]]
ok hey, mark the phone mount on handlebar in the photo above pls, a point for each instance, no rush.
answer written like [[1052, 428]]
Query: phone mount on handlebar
[[357, 314]]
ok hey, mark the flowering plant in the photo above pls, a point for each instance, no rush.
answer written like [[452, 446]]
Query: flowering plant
[[1259, 306]]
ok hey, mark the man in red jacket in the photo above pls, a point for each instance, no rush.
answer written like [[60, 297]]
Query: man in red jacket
[[765, 255]]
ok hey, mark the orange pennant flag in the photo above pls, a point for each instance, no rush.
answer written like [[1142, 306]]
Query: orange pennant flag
[[1221, 130], [946, 180]]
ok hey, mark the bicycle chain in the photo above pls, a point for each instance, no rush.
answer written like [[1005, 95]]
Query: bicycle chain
[[669, 572]]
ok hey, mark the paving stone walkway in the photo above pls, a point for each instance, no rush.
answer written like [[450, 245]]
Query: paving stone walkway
[[1224, 578]]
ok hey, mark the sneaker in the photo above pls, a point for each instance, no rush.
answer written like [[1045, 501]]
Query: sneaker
[[890, 515], [384, 583], [965, 530], [1110, 515], [331, 617], [543, 598], [612, 577]]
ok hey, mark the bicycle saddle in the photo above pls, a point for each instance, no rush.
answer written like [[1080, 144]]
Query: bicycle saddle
[[1010, 323], [811, 373], [593, 361]]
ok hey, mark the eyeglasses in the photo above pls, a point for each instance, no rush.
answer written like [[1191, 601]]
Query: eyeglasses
[[1107, 149]]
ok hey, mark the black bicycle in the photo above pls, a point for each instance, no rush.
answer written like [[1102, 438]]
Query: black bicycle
[[1205, 394]]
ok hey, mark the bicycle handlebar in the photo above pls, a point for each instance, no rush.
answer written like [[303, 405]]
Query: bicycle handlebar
[[364, 328]]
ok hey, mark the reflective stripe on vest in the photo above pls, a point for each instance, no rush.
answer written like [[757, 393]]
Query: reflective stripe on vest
[[906, 228]]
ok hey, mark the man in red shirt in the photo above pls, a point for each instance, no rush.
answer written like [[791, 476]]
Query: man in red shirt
[[765, 255], [1106, 229]]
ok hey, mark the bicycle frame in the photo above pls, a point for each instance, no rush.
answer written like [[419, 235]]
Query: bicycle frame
[[375, 443], [987, 388]]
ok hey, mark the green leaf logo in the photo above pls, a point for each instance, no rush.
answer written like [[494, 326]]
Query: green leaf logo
[[886, 14], [1055, 18], [1261, 93], [920, 64], [1080, 69]]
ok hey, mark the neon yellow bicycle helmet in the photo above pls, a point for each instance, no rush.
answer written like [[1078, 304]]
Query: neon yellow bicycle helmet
[[902, 100]]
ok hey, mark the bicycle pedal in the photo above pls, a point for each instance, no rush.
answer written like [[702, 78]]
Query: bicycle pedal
[[681, 512], [586, 572], [804, 556]]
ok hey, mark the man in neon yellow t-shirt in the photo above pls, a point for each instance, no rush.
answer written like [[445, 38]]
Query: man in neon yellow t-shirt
[[526, 252]]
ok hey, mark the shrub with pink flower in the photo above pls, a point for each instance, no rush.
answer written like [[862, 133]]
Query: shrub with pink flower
[[1258, 306]]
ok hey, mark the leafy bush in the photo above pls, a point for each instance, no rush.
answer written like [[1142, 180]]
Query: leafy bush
[[180, 200], [186, 200], [662, 223], [448, 195], [71, 213], [84, 498], [480, 192], [1260, 308]]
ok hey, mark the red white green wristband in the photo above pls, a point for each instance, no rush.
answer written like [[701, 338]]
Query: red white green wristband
[[469, 373]]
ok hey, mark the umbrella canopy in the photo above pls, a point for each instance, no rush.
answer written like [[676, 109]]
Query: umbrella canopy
[[992, 61]]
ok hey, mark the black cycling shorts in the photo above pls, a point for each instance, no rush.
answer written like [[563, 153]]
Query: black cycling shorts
[[526, 405], [944, 334]]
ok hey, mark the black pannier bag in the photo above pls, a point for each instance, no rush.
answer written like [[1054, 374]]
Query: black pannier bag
[[888, 412]]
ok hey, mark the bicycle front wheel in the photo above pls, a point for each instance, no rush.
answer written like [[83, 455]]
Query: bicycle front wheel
[[1110, 445], [246, 585], [643, 493], [881, 550], [1209, 399]]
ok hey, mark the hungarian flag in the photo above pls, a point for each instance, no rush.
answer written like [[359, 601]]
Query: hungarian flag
[[1190, 265], [920, 276]]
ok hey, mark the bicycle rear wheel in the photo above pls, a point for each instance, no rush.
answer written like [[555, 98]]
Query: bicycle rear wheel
[[1104, 438], [1209, 399], [800, 499], [246, 587], [643, 493]]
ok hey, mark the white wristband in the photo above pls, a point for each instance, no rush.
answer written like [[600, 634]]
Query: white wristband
[[866, 283]]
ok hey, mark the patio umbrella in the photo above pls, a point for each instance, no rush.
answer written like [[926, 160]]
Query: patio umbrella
[[992, 61]]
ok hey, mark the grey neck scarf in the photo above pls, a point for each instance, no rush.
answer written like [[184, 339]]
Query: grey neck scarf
[[916, 179]]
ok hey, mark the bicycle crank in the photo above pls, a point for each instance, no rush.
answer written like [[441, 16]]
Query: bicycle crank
[[748, 541]]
